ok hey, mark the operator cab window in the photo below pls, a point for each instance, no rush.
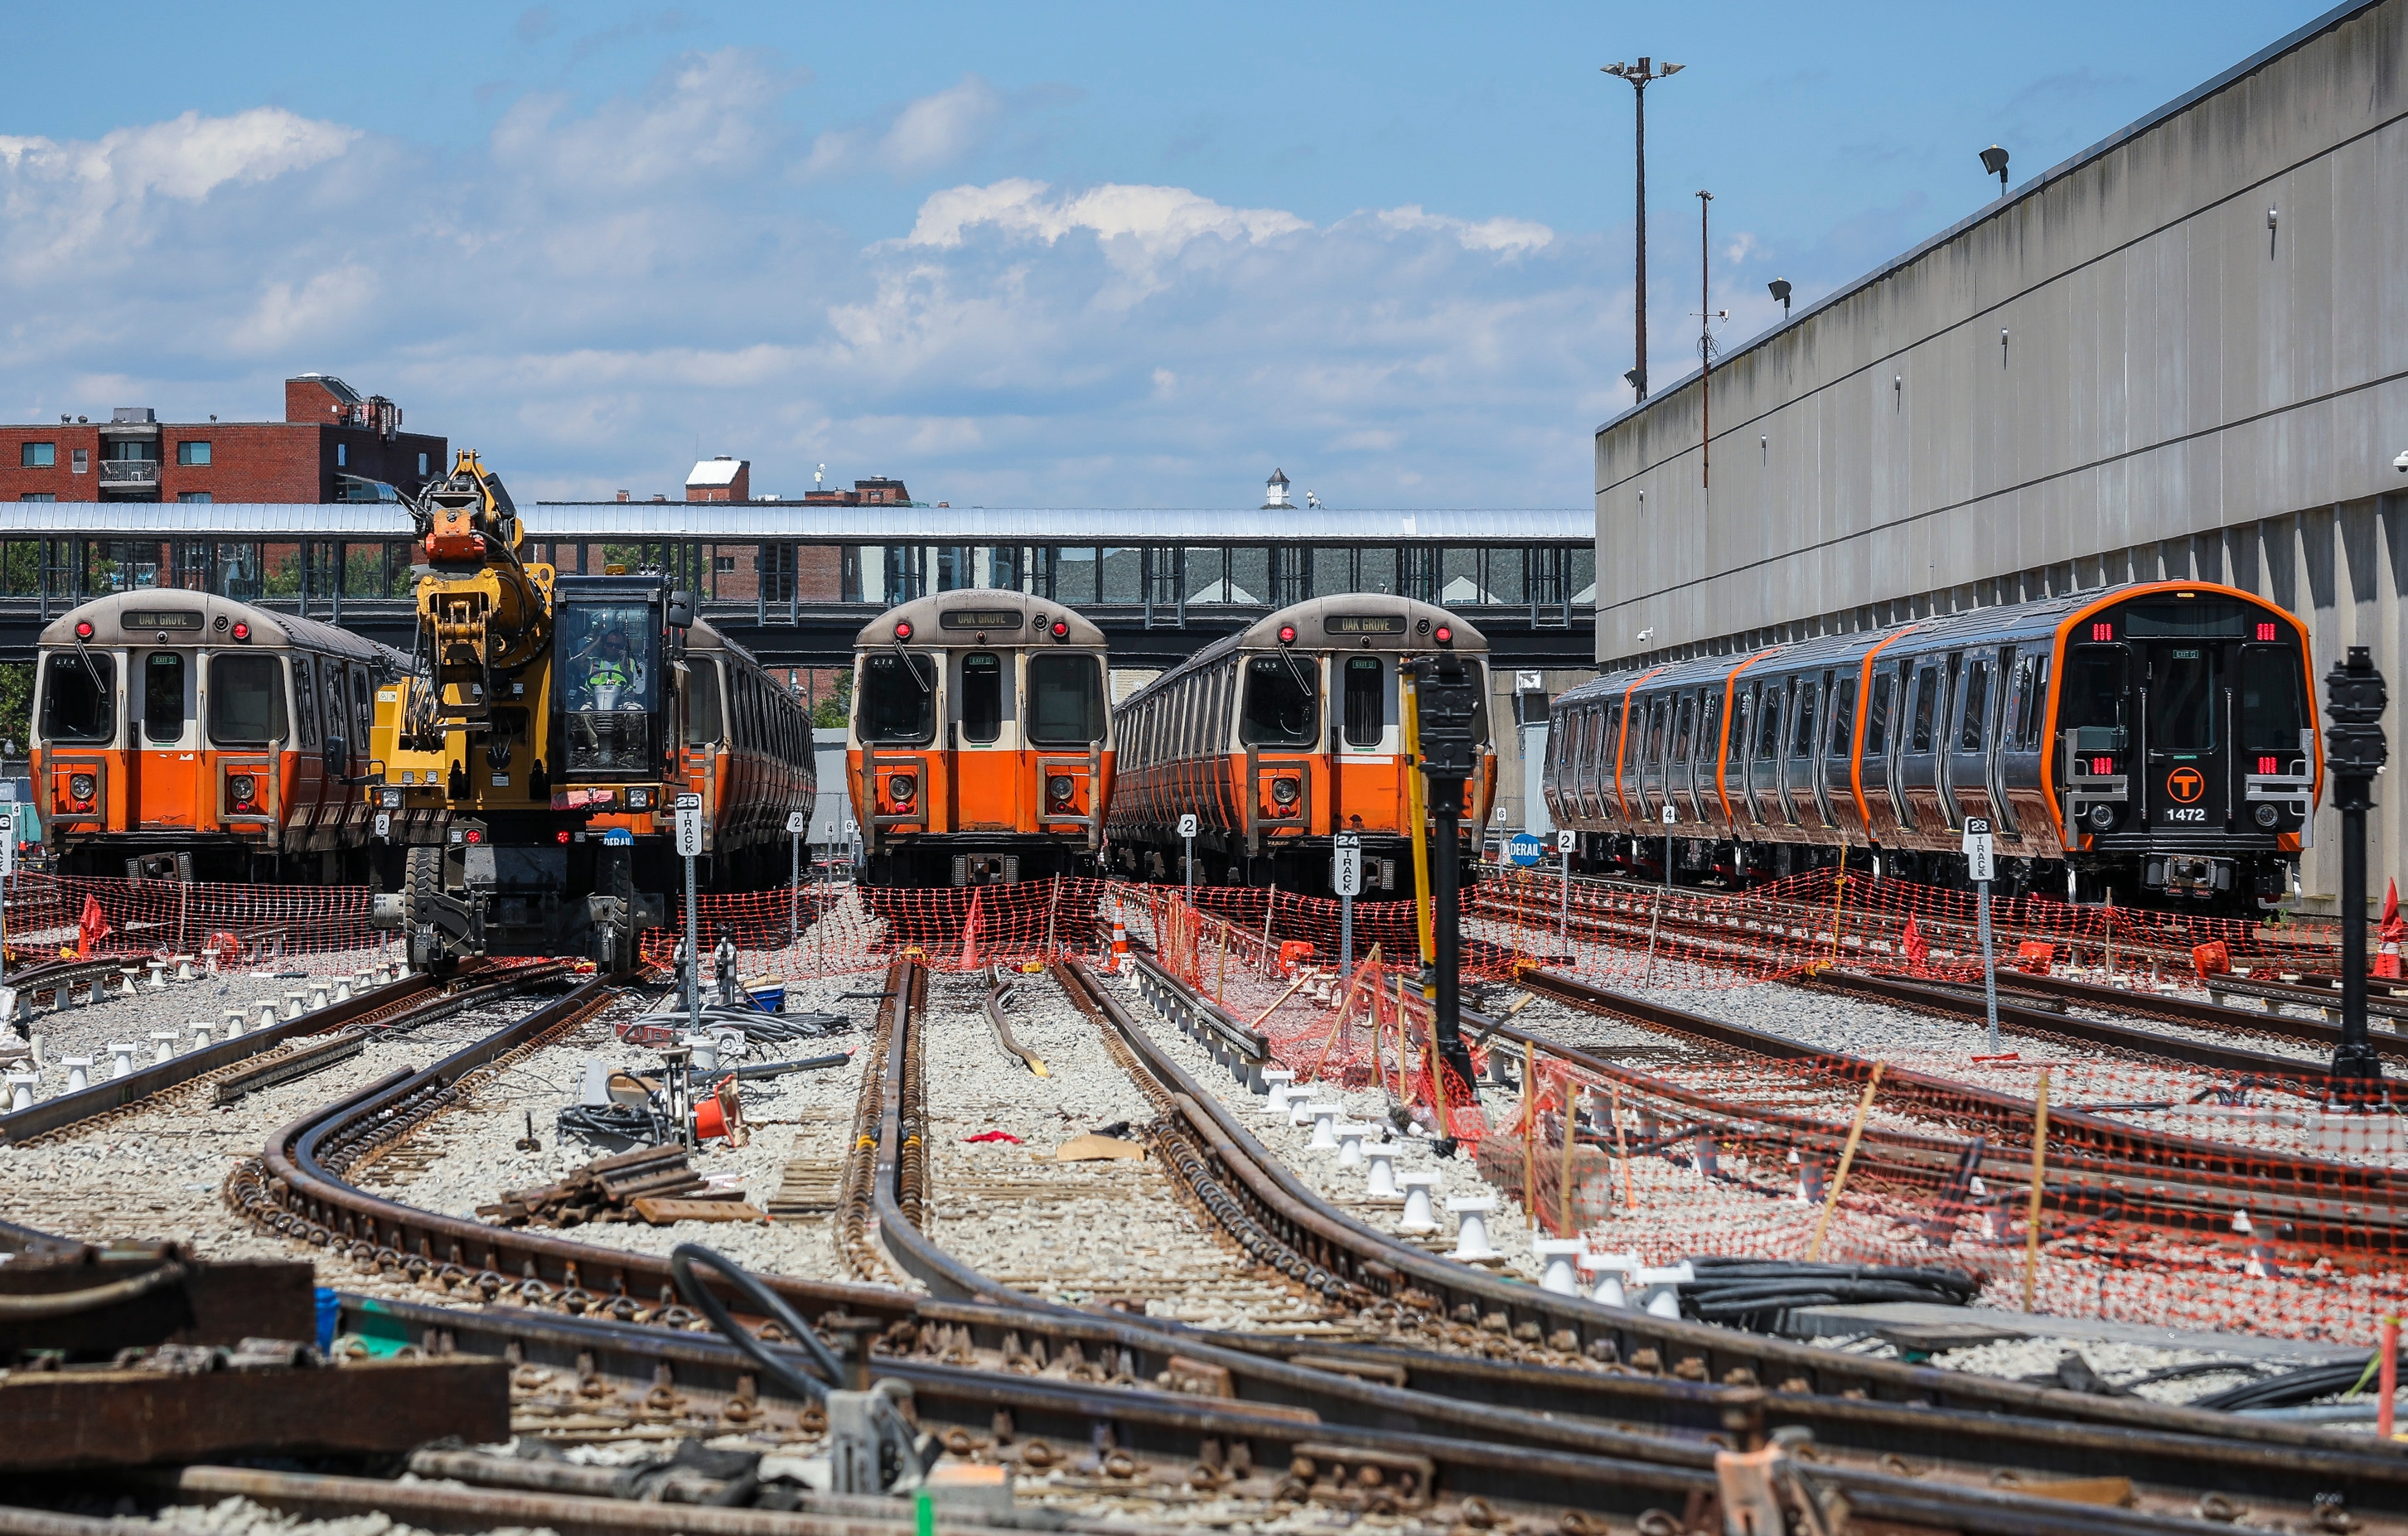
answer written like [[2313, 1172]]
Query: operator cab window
[[899, 698], [1281, 706], [982, 697], [1066, 699], [702, 725], [246, 701], [2272, 717], [2097, 680], [78, 698]]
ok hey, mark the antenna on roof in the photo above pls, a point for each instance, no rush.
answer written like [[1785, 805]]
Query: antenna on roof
[[1311, 500]]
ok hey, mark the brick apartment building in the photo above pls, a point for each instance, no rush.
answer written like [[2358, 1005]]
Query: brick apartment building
[[332, 445]]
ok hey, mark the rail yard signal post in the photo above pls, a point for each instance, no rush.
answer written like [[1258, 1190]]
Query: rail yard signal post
[[688, 847], [1187, 835], [2355, 750], [1445, 700], [1567, 844], [1346, 879], [798, 822], [1981, 865]]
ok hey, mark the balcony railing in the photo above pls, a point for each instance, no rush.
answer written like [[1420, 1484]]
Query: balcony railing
[[128, 472]]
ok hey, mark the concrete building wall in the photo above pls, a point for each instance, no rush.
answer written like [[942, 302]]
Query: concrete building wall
[[2121, 371]]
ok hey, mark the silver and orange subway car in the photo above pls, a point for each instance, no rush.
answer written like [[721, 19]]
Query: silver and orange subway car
[[979, 751], [184, 736], [1279, 735], [2154, 740]]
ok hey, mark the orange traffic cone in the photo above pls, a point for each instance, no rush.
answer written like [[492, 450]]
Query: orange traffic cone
[[1120, 942], [2387, 957]]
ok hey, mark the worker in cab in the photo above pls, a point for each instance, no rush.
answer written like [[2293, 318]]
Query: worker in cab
[[610, 672]]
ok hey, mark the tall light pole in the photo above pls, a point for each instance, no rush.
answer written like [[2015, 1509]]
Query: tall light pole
[[1640, 76], [1705, 346]]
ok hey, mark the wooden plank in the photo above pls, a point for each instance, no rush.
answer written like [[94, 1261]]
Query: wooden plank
[[662, 1213]]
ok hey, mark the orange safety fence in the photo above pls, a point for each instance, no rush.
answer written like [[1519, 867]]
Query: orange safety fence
[[49, 915]]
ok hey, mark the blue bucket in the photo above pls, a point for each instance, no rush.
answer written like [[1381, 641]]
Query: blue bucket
[[768, 994], [329, 1312]]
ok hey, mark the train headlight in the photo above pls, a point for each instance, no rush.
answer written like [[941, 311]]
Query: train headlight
[[2266, 813], [2101, 818], [1059, 786], [389, 797], [1285, 791], [639, 799], [81, 786], [242, 788], [902, 788]]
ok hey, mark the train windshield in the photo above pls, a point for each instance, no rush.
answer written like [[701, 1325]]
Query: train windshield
[[1066, 699], [607, 686], [702, 715], [1363, 701], [2097, 682], [246, 701], [899, 698], [1281, 707], [2182, 699], [78, 697], [162, 696], [2270, 716], [982, 697]]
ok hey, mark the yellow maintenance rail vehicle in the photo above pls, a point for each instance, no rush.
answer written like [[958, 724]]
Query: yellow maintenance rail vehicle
[[538, 724]]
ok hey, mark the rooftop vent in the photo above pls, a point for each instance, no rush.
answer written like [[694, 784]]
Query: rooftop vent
[[142, 415]]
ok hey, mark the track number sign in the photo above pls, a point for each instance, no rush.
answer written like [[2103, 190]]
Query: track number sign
[[1981, 856], [1346, 864], [797, 824], [1187, 825], [1566, 842], [689, 826]]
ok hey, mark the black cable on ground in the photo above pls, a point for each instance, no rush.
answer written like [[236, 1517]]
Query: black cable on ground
[[2289, 1389], [681, 1262]]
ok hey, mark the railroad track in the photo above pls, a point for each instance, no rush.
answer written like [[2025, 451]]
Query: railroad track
[[1462, 1411]]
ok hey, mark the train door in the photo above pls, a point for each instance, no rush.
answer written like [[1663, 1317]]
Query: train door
[[1734, 749], [1886, 812], [1707, 792], [166, 786], [2186, 786], [1921, 751], [1362, 778], [1764, 769], [984, 797], [2017, 767], [1597, 775], [1680, 788], [1840, 809], [1972, 736]]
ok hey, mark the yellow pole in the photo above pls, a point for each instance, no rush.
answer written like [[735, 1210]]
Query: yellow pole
[[1417, 816], [2040, 1165], [1847, 1156]]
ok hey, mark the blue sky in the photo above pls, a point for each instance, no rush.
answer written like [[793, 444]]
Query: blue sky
[[1098, 255]]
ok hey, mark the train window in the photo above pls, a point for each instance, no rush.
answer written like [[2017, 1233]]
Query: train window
[[1659, 710], [1877, 715], [1925, 707], [362, 712], [1710, 722], [246, 701], [2182, 699], [1742, 716], [305, 702], [982, 697], [1685, 730], [1802, 734], [1976, 706], [702, 722], [1768, 725], [1281, 707], [2016, 730], [1066, 699], [2097, 680], [1844, 719], [2270, 716], [78, 697], [1363, 701], [898, 697], [2035, 714], [162, 696]]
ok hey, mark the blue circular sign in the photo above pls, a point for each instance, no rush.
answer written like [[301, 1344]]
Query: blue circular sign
[[1523, 849]]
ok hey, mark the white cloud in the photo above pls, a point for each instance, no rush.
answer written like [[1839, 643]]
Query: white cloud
[[708, 114], [1506, 237], [318, 309], [1157, 220], [61, 199], [926, 134]]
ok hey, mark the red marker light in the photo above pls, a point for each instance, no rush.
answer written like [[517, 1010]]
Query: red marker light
[[1287, 634], [2102, 631], [1060, 630], [2266, 632], [1444, 635], [241, 630], [83, 629], [560, 835], [2102, 766], [903, 629], [2266, 765], [475, 835]]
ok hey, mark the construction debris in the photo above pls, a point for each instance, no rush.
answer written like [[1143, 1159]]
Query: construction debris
[[617, 1189]]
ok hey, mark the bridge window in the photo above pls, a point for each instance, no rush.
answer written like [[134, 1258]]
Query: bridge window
[[1124, 575], [78, 698], [162, 696], [1250, 576], [1458, 578], [246, 701], [1506, 581], [1363, 700], [1074, 574], [1375, 570], [982, 697], [702, 725], [1066, 699], [1283, 708], [899, 698], [1333, 571]]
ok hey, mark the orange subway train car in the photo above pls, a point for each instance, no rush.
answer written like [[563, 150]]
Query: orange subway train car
[[179, 735], [980, 751], [1281, 735], [2154, 740]]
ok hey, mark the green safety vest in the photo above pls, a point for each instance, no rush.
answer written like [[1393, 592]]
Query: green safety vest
[[610, 674]]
